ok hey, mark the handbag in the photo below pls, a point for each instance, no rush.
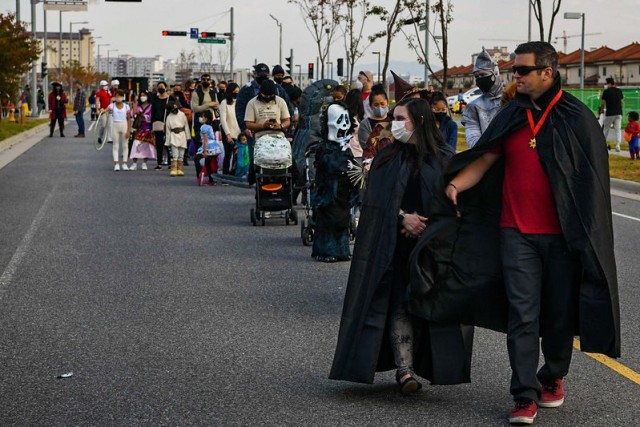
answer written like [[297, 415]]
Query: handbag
[[158, 126]]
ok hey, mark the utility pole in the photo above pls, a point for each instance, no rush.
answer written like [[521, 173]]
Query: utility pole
[[34, 64], [60, 47], [45, 79], [426, 45], [231, 37]]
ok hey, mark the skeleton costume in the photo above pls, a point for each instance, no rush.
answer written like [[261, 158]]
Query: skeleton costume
[[333, 194], [479, 113]]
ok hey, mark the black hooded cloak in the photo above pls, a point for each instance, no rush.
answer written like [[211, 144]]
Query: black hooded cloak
[[442, 352], [456, 268]]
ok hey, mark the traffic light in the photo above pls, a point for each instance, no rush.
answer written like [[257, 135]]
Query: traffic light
[[340, 67], [43, 70], [310, 75], [289, 65], [174, 33], [206, 35]]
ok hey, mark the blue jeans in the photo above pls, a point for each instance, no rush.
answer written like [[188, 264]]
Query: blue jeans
[[80, 122]]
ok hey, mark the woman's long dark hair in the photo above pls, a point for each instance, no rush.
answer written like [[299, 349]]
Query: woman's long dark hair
[[228, 94], [429, 140]]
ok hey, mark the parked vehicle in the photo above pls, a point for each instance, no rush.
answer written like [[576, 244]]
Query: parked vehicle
[[468, 96]]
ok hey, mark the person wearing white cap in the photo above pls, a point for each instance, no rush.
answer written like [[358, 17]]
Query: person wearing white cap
[[115, 84], [103, 100], [479, 113]]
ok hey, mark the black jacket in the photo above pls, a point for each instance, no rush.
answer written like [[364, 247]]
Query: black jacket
[[464, 284], [442, 352]]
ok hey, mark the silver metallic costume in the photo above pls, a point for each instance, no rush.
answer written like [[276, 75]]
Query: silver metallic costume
[[479, 113]]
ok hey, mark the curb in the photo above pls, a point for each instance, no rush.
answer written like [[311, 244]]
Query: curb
[[10, 142]]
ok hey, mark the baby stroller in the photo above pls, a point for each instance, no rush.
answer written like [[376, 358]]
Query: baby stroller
[[307, 225], [274, 182]]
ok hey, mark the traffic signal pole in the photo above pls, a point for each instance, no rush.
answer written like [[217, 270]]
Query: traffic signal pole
[[231, 37], [34, 64]]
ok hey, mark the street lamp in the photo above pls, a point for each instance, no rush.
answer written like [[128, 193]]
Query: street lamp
[[71, 24], [109, 60], [91, 42], [378, 53], [103, 44], [578, 15], [279, 26]]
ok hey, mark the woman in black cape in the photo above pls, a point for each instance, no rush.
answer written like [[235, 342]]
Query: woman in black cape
[[377, 333]]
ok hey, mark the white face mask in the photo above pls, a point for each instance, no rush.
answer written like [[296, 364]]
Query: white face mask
[[143, 98], [200, 120], [358, 84], [399, 131], [119, 99]]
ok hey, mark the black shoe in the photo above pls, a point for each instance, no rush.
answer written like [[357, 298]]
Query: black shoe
[[62, 135], [50, 135], [158, 168]]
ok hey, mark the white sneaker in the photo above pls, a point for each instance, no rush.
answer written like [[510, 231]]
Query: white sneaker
[[116, 167], [125, 167], [144, 166], [617, 148], [267, 214], [133, 167]]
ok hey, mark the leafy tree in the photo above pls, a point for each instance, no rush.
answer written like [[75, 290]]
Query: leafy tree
[[321, 18], [17, 51], [537, 10]]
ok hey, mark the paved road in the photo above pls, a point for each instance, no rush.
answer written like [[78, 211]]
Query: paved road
[[171, 309]]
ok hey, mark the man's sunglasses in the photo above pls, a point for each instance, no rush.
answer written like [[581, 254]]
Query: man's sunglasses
[[523, 70]]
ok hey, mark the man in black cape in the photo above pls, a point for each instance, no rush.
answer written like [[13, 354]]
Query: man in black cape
[[560, 281]]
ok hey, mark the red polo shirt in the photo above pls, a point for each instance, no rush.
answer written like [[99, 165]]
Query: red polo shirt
[[527, 199], [104, 97]]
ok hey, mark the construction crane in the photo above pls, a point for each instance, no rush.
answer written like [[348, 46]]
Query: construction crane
[[564, 37]]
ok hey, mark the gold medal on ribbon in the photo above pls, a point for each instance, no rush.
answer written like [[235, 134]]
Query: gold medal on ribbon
[[532, 143]]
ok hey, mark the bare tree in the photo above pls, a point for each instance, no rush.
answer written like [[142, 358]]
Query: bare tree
[[321, 18], [356, 13], [537, 10], [443, 17], [393, 25]]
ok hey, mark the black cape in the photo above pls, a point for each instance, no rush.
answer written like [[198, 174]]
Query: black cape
[[442, 352], [456, 268]]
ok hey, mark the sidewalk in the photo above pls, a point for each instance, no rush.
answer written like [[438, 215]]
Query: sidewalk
[[11, 148]]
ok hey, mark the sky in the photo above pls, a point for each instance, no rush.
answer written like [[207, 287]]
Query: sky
[[135, 28]]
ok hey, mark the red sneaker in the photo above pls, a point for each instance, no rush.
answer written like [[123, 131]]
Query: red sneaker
[[524, 412], [552, 394]]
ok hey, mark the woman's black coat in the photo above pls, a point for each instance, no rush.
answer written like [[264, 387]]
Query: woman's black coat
[[442, 353]]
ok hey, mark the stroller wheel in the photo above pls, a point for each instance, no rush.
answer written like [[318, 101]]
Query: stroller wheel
[[286, 219], [252, 215], [306, 233], [294, 216], [262, 219]]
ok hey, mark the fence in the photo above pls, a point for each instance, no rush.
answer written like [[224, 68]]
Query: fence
[[591, 98]]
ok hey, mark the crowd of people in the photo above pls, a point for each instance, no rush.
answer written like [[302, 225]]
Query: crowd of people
[[534, 184]]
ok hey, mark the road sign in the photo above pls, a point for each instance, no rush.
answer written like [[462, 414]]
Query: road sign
[[214, 41], [194, 33]]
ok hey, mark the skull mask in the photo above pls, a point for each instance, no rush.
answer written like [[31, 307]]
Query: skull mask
[[338, 124]]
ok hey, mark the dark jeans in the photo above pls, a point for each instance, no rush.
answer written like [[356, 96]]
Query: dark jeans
[[159, 146], [542, 280], [80, 122], [52, 125]]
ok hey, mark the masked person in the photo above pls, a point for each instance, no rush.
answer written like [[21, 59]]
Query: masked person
[[250, 91], [377, 333], [57, 108], [333, 194], [536, 227], [177, 136], [479, 113]]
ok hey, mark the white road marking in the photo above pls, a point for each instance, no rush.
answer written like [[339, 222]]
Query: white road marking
[[626, 216], [23, 247]]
